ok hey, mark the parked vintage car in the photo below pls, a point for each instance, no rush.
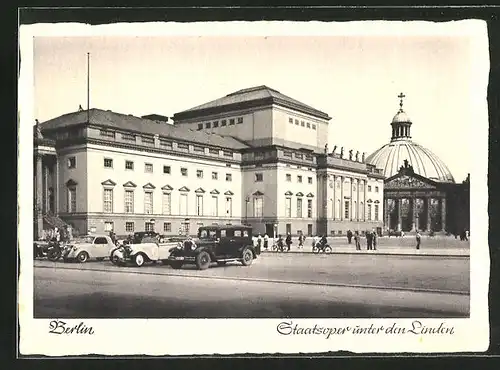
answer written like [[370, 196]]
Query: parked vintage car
[[143, 252], [219, 244], [88, 247]]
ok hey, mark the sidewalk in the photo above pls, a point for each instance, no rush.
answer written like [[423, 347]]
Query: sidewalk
[[385, 250]]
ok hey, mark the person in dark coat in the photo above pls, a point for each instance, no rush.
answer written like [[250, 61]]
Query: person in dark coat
[[418, 237], [375, 236], [369, 239], [349, 236], [288, 241], [356, 241]]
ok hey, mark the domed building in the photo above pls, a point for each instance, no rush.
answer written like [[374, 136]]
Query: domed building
[[419, 188]]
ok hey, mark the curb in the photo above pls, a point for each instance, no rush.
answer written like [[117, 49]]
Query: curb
[[275, 281], [374, 254]]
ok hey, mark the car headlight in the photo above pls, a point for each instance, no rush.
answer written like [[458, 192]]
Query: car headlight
[[75, 247], [193, 246], [179, 245]]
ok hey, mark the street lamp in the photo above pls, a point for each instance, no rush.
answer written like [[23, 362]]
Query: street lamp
[[247, 200]]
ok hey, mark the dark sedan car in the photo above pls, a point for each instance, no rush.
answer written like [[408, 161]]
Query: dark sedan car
[[220, 244]]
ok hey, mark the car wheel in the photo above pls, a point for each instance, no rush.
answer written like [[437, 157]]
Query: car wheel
[[82, 257], [203, 260], [139, 259], [315, 249], [247, 257], [328, 249], [176, 265], [221, 263]]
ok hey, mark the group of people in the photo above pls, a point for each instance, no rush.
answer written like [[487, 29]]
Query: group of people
[[281, 243], [64, 234], [371, 239]]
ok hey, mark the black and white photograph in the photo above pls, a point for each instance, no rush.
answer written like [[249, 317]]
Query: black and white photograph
[[312, 186]]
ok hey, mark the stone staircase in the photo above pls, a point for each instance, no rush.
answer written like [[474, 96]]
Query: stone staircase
[[50, 221]]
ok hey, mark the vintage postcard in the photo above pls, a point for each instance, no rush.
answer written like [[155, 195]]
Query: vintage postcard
[[253, 188]]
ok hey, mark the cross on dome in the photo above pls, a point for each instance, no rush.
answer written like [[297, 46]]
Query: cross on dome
[[401, 96]]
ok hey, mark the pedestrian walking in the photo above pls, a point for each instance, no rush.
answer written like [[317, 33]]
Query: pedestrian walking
[[266, 241], [375, 236], [369, 239], [349, 236], [288, 241], [315, 240], [418, 237], [259, 241], [356, 241], [301, 241]]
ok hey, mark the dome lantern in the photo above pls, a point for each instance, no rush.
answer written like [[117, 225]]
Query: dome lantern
[[401, 123]]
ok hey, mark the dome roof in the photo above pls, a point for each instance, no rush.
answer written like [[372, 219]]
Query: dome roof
[[401, 116], [391, 157]]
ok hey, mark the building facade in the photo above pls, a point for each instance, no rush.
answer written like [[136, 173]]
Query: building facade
[[254, 156]]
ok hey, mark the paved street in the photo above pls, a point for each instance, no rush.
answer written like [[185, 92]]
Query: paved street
[[276, 285]]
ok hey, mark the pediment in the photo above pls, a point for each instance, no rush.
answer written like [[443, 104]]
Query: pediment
[[215, 191], [199, 190], [71, 182], [167, 188], [300, 194], [149, 186], [408, 182], [129, 184], [310, 195], [108, 182], [288, 193], [229, 192], [184, 188], [258, 193]]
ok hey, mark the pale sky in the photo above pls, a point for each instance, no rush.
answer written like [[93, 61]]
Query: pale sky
[[355, 79]]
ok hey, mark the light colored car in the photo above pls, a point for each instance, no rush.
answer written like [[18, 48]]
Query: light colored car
[[142, 253], [88, 247]]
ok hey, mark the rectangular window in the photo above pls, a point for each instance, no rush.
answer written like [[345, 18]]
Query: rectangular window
[[309, 157], [166, 169], [299, 179], [215, 205], [182, 146], [309, 180], [148, 167], [227, 153], [128, 137], [199, 205], [346, 210], [376, 212], [229, 207], [216, 123], [215, 176], [213, 151], [129, 227], [258, 155], [223, 122], [297, 122], [166, 144], [369, 212], [287, 154], [369, 188], [129, 201], [167, 227], [200, 126], [199, 174], [309, 208], [149, 226], [231, 121], [167, 204], [147, 140], [148, 202], [314, 126], [183, 205], [259, 177], [376, 189], [208, 124], [308, 125], [72, 200], [302, 123], [129, 165], [258, 207], [107, 133], [299, 207], [108, 163], [198, 149], [288, 207], [184, 171], [108, 226], [229, 177], [288, 177], [240, 120], [72, 162], [290, 120], [108, 200]]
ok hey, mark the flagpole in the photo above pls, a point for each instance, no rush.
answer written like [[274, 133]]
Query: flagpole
[[88, 87]]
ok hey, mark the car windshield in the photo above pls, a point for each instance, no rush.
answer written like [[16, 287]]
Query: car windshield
[[208, 234], [84, 239]]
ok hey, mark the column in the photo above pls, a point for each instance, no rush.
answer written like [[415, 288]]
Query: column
[[365, 183], [443, 214], [325, 196], [351, 201], [413, 209], [334, 196], [399, 214], [357, 197], [341, 210], [56, 187], [428, 203], [45, 195], [386, 214], [38, 197]]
